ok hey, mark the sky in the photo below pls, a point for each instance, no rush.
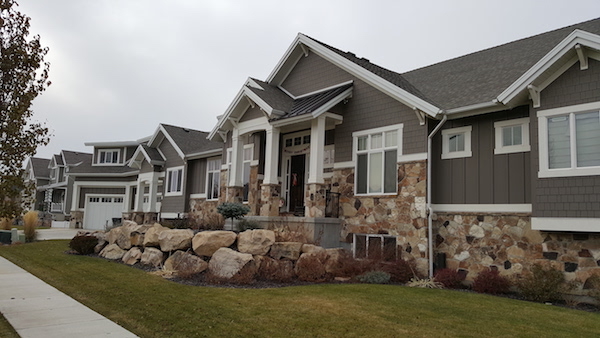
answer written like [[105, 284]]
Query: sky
[[121, 67]]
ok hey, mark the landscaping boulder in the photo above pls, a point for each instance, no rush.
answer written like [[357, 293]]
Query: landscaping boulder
[[255, 242], [152, 256], [137, 234], [226, 263], [290, 250], [185, 264], [132, 256], [274, 269], [335, 260], [151, 235], [310, 267], [112, 251], [205, 243], [310, 248], [175, 239], [113, 234]]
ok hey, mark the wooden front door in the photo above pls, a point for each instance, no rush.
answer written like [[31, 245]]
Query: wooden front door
[[296, 184]]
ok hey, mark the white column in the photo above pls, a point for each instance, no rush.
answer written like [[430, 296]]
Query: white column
[[271, 156], [317, 144], [139, 202], [153, 192], [127, 198], [235, 177]]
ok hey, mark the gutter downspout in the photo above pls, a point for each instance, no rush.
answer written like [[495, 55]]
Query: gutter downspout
[[429, 209]]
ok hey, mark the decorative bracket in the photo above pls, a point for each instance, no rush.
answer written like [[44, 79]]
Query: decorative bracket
[[420, 116], [534, 92], [223, 135], [304, 49], [583, 59]]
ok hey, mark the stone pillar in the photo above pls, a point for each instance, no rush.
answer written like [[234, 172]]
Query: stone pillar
[[150, 217], [76, 220], [269, 197], [314, 202], [235, 194], [137, 217]]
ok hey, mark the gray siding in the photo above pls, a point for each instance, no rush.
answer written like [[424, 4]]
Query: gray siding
[[120, 150], [252, 113], [172, 158], [484, 178], [313, 73], [108, 191], [567, 196], [146, 167], [197, 176]]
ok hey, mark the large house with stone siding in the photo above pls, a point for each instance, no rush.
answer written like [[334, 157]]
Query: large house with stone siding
[[494, 156]]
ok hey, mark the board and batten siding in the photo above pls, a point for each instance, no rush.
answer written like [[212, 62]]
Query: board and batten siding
[[196, 176], [172, 159], [484, 178], [566, 196], [368, 108]]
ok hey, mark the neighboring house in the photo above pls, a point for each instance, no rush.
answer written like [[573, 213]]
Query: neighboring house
[[175, 166], [37, 172], [103, 185], [494, 156]]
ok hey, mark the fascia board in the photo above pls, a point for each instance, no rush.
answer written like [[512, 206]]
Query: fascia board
[[154, 138], [129, 173], [324, 108], [260, 102], [236, 101], [284, 60], [383, 85], [173, 143], [576, 37], [112, 144], [475, 109], [208, 153]]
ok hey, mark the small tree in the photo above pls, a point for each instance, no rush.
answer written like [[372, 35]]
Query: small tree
[[232, 210], [23, 76]]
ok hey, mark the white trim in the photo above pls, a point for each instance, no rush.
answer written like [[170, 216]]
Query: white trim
[[201, 195], [173, 215], [570, 111], [112, 150], [565, 224], [412, 157], [523, 147], [344, 165], [166, 186], [446, 133], [488, 208], [112, 144], [322, 90]]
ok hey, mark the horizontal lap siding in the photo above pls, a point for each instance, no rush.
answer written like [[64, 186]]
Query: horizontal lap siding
[[567, 196], [368, 108], [484, 178]]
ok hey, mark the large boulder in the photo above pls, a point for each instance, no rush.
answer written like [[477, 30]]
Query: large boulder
[[289, 250], [152, 256], [132, 256], [112, 251], [310, 267], [226, 263], [255, 242], [184, 264], [310, 248], [175, 239], [336, 259], [274, 270], [113, 234], [205, 243], [151, 235], [137, 234]]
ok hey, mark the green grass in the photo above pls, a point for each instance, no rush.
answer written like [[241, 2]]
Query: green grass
[[7, 331], [151, 306]]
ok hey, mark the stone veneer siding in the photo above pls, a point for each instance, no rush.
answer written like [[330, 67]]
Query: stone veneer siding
[[475, 242], [403, 215], [202, 211]]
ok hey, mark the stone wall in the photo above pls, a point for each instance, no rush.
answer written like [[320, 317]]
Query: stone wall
[[403, 215], [202, 210], [474, 242]]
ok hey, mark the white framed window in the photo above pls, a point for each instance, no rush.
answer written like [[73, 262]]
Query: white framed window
[[375, 247], [456, 142], [248, 156], [174, 181], [375, 153], [213, 178], [512, 136], [569, 141], [108, 156], [328, 156]]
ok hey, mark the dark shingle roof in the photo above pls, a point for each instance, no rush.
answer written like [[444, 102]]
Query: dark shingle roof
[[40, 167], [86, 167], [480, 77], [58, 160], [191, 141], [74, 157], [153, 153], [273, 96]]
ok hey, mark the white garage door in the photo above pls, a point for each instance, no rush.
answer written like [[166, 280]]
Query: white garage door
[[100, 211]]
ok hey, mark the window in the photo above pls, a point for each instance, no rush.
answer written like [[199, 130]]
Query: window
[[570, 141], [174, 181], [328, 156], [213, 178], [456, 142], [512, 136], [376, 157], [248, 154], [108, 156], [375, 247]]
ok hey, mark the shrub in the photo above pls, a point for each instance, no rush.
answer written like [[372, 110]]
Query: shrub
[[426, 283], [490, 281], [232, 210], [212, 222], [276, 271], [449, 278], [592, 284], [245, 224], [311, 268], [543, 284], [348, 266], [374, 277], [401, 271], [83, 245], [30, 222], [5, 223]]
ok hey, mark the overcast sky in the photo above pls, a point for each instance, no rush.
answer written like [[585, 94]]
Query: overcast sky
[[121, 67]]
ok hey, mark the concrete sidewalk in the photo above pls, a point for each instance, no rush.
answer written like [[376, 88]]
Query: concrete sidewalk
[[36, 309]]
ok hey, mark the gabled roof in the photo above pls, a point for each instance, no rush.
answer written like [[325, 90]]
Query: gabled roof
[[150, 155], [73, 158], [85, 168], [56, 160], [40, 167], [189, 142], [482, 76]]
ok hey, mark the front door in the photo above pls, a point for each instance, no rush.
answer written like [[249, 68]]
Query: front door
[[296, 184]]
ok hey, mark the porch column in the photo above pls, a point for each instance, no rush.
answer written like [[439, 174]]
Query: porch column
[[139, 202], [317, 143], [127, 198], [152, 193], [271, 156], [235, 187]]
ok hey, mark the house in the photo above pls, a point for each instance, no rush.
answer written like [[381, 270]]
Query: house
[[175, 166], [37, 173], [103, 185], [487, 160]]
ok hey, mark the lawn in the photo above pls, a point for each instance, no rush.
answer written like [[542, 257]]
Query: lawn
[[151, 306]]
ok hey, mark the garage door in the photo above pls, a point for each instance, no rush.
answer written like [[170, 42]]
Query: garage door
[[100, 211]]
